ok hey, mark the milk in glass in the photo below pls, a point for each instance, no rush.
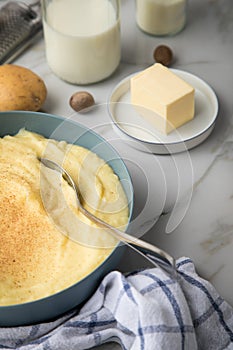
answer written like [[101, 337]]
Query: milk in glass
[[161, 17], [82, 38]]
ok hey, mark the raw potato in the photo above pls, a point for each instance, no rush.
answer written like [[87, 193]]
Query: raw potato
[[20, 89]]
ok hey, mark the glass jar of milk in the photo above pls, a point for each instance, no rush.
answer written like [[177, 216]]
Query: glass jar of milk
[[82, 38], [161, 17]]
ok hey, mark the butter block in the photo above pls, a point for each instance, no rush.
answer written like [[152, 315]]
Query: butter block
[[162, 98]]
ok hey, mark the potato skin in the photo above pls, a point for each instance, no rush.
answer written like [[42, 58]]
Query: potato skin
[[20, 89]]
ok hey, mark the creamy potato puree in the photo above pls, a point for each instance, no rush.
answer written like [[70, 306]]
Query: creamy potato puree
[[37, 207]]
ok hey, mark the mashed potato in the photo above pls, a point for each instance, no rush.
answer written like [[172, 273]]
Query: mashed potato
[[46, 244]]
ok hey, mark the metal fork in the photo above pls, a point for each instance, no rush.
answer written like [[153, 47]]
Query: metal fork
[[155, 255]]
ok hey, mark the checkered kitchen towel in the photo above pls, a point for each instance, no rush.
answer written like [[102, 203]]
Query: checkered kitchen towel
[[143, 310]]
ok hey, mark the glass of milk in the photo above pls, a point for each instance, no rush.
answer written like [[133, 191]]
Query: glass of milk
[[161, 17], [82, 38]]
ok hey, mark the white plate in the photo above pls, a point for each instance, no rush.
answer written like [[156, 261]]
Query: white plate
[[141, 135]]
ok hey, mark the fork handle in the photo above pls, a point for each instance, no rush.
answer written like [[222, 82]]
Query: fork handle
[[155, 255]]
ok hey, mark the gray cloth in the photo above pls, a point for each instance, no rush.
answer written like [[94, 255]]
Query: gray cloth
[[143, 310]]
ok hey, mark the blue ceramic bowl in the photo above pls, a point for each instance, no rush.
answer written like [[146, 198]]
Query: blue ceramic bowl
[[55, 127]]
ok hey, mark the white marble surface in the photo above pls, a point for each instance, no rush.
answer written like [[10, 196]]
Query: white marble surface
[[199, 182]]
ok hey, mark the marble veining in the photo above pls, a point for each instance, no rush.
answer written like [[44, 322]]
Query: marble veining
[[220, 237], [224, 13]]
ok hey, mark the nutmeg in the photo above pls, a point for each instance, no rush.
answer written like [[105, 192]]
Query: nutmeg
[[81, 101], [163, 54]]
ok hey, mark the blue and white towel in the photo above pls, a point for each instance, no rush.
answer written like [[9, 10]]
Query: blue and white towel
[[145, 310]]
